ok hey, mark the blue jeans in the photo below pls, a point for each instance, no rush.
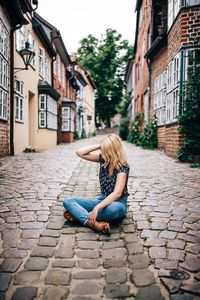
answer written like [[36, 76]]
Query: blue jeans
[[80, 208]]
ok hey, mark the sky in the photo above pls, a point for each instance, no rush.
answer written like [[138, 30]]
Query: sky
[[77, 18]]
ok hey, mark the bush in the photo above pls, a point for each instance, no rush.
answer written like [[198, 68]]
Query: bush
[[149, 137], [123, 128]]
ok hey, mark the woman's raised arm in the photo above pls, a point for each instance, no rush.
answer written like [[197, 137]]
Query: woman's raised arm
[[85, 153]]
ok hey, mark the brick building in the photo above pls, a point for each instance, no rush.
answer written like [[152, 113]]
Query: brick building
[[172, 32]]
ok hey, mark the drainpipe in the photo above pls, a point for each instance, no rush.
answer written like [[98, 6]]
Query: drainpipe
[[181, 82], [12, 92]]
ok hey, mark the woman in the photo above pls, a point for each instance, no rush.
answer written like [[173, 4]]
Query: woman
[[113, 176]]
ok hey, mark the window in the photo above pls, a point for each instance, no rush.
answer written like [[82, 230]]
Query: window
[[20, 38], [160, 97], [19, 100], [173, 78], [32, 45], [65, 118], [63, 75], [4, 68], [192, 59], [47, 112], [41, 62]]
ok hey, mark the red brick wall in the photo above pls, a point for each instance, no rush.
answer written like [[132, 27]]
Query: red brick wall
[[67, 137], [184, 31], [4, 138], [141, 84]]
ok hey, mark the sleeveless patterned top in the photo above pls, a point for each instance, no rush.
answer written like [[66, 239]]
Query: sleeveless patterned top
[[107, 182]]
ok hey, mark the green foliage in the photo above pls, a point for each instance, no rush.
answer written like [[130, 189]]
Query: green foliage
[[147, 138], [189, 120], [76, 135], [106, 60], [135, 128], [195, 165], [123, 128]]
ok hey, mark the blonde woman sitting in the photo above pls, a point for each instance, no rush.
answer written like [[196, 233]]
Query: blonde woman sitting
[[113, 176]]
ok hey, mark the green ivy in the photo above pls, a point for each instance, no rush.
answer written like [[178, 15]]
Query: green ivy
[[147, 137], [189, 120]]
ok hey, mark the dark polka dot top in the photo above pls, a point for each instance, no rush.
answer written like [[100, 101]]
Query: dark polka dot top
[[107, 183]]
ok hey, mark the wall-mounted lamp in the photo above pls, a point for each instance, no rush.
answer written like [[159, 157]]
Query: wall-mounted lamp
[[27, 55]]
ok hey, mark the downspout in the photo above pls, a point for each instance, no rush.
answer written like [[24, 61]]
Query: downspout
[[12, 150], [181, 82]]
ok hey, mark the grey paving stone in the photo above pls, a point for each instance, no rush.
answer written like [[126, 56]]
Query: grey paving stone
[[112, 245], [117, 263], [131, 238], [195, 249], [69, 230], [31, 234], [50, 232], [86, 287], [117, 291], [31, 225], [151, 292], [142, 277], [147, 233], [165, 264], [181, 297], [58, 277], [87, 274], [10, 265], [191, 263], [158, 225], [177, 244], [143, 225], [172, 285], [47, 241], [86, 236], [26, 277], [157, 252], [43, 251], [138, 261], [36, 264], [117, 253], [134, 248], [88, 245], [191, 287], [129, 228], [55, 225], [24, 293], [89, 263], [63, 263], [5, 279], [156, 242], [87, 254], [168, 234], [56, 293], [27, 244], [114, 276], [176, 254], [14, 253]]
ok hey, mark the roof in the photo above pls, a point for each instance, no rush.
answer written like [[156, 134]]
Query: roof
[[43, 36], [15, 10]]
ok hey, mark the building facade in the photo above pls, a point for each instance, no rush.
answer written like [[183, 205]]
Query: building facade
[[35, 110], [171, 55], [11, 17], [167, 41]]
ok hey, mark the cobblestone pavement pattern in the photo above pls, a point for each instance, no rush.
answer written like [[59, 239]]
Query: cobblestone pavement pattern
[[42, 257]]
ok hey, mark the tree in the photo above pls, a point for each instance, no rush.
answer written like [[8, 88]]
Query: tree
[[105, 60]]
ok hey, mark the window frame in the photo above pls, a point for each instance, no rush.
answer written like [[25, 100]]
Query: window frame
[[19, 101], [4, 70]]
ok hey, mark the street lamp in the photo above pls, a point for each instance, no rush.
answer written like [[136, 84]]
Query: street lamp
[[27, 55]]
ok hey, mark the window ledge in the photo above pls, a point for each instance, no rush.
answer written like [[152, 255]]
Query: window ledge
[[19, 121]]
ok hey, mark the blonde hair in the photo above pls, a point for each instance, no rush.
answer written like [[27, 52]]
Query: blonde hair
[[113, 152]]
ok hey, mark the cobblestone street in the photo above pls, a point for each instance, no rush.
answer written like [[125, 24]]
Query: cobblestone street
[[42, 257]]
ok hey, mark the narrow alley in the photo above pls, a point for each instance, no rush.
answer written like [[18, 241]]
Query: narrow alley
[[42, 257]]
